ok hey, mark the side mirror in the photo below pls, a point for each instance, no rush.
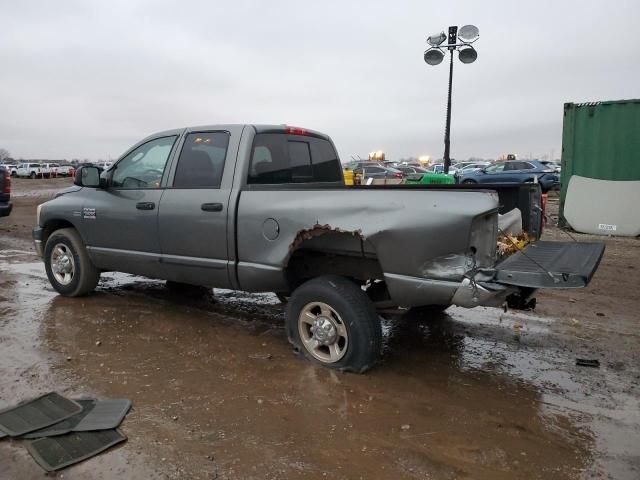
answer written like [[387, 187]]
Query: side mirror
[[87, 177]]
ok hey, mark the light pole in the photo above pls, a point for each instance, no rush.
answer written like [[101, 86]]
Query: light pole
[[466, 53]]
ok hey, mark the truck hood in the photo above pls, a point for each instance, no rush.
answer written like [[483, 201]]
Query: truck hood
[[64, 191]]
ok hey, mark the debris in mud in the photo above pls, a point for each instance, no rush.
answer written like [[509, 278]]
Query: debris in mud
[[260, 356], [37, 413], [584, 362], [509, 244], [65, 431]]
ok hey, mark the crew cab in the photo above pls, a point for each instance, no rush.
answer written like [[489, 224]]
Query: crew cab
[[30, 170], [5, 192], [263, 208]]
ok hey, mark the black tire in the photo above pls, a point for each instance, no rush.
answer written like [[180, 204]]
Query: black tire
[[33, 175], [85, 275], [355, 312], [468, 182]]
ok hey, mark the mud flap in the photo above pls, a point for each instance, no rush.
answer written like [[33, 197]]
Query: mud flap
[[547, 264]]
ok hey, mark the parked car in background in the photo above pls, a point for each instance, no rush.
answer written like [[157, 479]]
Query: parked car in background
[[104, 165], [29, 170], [5, 191], [378, 172], [407, 169], [514, 171], [11, 167], [66, 170], [49, 169], [550, 164], [439, 168], [360, 163], [469, 166]]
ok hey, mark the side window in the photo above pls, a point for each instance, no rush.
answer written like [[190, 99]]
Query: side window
[[279, 158], [269, 160], [497, 168], [526, 166], [201, 161], [143, 167]]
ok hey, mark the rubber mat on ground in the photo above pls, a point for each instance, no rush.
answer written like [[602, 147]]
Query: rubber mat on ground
[[38, 413], [105, 415], [64, 426], [54, 453]]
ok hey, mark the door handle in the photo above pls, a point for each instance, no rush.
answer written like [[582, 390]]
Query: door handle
[[211, 207], [145, 205]]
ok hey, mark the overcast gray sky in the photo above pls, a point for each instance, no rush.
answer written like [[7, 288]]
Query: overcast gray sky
[[89, 78]]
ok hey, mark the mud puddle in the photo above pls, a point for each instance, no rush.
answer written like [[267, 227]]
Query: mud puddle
[[218, 393]]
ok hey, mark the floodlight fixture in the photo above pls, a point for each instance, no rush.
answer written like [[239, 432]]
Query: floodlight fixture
[[433, 56], [459, 39], [467, 54], [435, 40], [469, 33]]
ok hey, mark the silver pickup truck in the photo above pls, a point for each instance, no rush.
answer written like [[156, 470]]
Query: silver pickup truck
[[263, 208]]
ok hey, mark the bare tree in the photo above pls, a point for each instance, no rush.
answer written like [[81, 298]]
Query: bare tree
[[4, 154]]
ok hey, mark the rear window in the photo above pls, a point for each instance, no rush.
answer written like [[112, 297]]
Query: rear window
[[277, 158]]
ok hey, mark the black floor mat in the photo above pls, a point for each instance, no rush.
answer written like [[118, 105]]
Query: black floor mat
[[38, 413], [105, 415], [64, 426], [54, 453]]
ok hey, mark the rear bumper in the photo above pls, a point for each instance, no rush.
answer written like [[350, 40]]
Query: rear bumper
[[36, 234], [408, 291], [5, 209]]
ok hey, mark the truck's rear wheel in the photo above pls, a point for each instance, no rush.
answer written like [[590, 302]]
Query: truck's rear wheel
[[332, 321], [68, 265]]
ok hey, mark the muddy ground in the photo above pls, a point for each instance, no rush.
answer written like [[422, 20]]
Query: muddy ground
[[218, 393]]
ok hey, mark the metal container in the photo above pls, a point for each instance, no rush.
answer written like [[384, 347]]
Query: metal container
[[600, 140]]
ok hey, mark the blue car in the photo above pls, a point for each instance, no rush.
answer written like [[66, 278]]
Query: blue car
[[514, 171]]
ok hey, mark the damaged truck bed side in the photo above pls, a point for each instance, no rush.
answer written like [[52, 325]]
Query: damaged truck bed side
[[264, 208]]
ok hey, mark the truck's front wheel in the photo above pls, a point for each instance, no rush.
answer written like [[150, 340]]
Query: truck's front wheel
[[332, 321], [68, 265]]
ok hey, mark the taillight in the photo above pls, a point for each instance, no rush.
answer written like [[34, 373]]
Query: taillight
[[397, 175], [7, 182], [295, 131]]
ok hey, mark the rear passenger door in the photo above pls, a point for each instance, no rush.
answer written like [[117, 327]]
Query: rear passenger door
[[194, 210]]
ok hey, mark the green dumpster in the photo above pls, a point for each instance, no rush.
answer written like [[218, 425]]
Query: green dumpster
[[430, 179]]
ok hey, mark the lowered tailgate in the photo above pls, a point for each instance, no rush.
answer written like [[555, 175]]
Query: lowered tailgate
[[547, 264]]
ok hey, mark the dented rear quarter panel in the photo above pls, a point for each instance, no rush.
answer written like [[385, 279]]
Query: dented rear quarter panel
[[414, 233]]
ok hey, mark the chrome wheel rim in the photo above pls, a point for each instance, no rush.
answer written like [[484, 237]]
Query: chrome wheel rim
[[62, 264], [322, 332]]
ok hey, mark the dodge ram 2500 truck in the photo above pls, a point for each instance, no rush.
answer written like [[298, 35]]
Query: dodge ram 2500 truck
[[264, 208]]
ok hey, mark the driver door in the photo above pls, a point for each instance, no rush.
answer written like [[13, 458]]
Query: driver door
[[121, 221]]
